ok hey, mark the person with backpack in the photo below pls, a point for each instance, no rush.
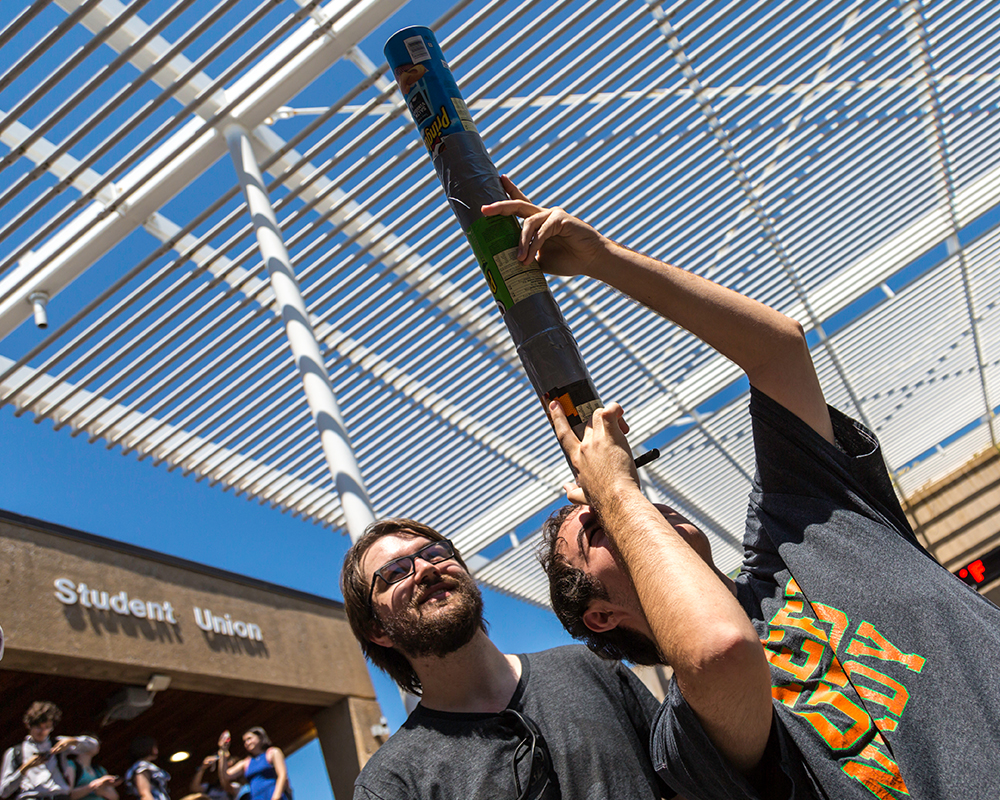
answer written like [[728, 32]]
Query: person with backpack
[[83, 774], [35, 769]]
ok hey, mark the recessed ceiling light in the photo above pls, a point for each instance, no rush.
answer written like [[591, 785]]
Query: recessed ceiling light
[[180, 755]]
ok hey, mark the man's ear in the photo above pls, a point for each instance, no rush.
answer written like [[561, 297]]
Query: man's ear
[[378, 636], [601, 616]]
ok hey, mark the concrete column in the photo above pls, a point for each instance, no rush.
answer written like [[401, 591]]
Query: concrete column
[[345, 733]]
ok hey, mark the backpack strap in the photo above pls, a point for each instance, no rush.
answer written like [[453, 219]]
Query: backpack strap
[[69, 768]]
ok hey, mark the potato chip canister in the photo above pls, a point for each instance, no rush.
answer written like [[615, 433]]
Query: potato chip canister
[[544, 342]]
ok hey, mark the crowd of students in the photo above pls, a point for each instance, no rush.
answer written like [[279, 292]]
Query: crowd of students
[[43, 767]]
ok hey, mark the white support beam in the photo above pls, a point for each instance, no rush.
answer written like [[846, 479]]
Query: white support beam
[[326, 414], [94, 231]]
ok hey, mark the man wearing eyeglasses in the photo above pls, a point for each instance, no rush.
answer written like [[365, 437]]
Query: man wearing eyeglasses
[[560, 723], [839, 662]]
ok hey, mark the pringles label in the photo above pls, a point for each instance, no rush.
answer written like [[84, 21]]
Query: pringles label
[[427, 85]]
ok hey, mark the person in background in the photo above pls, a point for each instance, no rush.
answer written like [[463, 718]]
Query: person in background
[[144, 779], [36, 767], [89, 778], [263, 770], [223, 788]]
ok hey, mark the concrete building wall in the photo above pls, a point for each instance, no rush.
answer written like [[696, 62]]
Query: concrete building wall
[[958, 518], [88, 609], [262, 642]]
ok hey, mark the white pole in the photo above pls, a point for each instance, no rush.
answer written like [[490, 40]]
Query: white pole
[[301, 337]]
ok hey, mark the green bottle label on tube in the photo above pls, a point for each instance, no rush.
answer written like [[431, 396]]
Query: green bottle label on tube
[[494, 240]]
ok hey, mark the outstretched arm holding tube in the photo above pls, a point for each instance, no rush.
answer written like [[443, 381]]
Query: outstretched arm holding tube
[[770, 347], [693, 617], [697, 624]]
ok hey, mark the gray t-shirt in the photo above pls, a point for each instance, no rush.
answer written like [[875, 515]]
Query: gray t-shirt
[[883, 663], [595, 717]]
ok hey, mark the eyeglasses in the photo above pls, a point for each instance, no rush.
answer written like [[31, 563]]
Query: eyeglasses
[[533, 746], [404, 566]]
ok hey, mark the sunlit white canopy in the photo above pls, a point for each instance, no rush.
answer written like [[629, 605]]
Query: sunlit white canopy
[[837, 160]]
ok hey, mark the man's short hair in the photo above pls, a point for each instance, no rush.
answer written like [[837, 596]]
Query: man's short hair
[[571, 591], [42, 711], [355, 587]]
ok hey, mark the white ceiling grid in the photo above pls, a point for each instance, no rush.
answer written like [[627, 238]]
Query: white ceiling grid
[[839, 161]]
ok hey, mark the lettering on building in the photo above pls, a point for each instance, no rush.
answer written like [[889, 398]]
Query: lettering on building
[[226, 625], [70, 593]]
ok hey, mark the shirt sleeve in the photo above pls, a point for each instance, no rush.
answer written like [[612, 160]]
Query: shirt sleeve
[[688, 760], [9, 779], [792, 459], [361, 793], [642, 709]]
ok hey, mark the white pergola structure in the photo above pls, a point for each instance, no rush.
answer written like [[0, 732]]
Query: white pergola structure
[[833, 159]]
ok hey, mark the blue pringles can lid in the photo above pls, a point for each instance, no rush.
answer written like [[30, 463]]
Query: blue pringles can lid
[[427, 85]]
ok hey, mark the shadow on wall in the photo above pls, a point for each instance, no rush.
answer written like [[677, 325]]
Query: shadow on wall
[[101, 621]]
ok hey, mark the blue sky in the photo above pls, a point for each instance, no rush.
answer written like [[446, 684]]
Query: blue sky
[[61, 479], [55, 477]]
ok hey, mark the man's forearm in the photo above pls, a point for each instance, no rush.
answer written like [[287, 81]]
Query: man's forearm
[[767, 345], [700, 628], [689, 600]]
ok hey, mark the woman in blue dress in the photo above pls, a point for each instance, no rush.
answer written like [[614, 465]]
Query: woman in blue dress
[[263, 770]]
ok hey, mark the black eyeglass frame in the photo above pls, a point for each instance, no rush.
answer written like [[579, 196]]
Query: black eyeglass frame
[[412, 558]]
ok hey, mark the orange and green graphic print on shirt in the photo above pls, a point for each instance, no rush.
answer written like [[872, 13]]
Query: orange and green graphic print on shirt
[[810, 679]]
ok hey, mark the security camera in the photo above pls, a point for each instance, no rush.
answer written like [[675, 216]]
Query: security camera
[[39, 301]]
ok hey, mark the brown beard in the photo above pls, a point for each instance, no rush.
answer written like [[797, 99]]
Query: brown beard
[[418, 633], [636, 647]]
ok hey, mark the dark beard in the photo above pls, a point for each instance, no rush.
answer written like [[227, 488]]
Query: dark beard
[[419, 635], [635, 647]]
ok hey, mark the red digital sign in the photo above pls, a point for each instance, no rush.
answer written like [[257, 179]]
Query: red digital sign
[[975, 570], [983, 570]]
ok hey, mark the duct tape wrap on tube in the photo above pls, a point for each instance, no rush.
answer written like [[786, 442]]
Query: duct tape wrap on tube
[[543, 340]]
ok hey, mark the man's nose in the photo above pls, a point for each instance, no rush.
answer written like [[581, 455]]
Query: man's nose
[[424, 569]]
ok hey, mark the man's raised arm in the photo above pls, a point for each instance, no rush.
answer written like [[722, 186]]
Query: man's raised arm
[[768, 346], [697, 623]]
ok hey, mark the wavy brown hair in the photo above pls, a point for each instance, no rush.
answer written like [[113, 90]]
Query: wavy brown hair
[[42, 711]]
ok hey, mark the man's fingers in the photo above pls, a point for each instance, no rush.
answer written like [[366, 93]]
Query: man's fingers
[[575, 494], [510, 208], [611, 414], [512, 191], [530, 230], [544, 231], [561, 424]]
